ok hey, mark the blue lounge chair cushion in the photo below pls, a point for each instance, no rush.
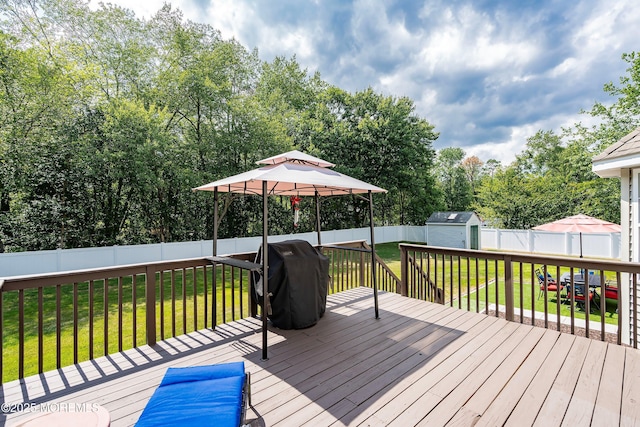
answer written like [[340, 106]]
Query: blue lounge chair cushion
[[197, 396], [200, 373]]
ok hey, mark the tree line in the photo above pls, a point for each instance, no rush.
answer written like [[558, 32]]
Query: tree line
[[107, 122]]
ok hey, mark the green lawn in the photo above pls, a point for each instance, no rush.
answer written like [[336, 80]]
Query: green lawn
[[390, 254], [523, 298]]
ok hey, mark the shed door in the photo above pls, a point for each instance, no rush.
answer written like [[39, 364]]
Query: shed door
[[474, 237]]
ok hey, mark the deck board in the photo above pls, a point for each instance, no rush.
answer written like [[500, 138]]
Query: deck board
[[416, 396], [489, 389], [529, 405], [455, 368], [583, 398], [555, 405], [467, 383], [363, 380], [398, 394], [608, 404], [630, 411], [419, 364], [342, 380], [458, 387], [493, 402]]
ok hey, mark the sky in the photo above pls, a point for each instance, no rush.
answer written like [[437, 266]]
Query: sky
[[487, 74]]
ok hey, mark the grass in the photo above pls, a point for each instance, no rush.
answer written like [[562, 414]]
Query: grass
[[536, 302], [390, 254]]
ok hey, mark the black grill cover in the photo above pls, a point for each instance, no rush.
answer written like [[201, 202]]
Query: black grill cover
[[298, 280]]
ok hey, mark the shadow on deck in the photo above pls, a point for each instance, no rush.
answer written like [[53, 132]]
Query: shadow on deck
[[419, 364]]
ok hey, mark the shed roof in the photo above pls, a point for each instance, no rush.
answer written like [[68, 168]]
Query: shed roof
[[450, 217]]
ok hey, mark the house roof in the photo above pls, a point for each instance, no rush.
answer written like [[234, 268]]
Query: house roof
[[623, 154], [450, 217]]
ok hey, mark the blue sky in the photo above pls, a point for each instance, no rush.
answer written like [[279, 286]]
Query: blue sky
[[487, 74]]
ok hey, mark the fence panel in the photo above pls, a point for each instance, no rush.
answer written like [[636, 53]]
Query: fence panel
[[21, 263], [594, 245], [598, 245]]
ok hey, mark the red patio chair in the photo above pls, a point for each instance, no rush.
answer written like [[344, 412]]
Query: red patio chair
[[579, 297], [611, 293], [552, 284]]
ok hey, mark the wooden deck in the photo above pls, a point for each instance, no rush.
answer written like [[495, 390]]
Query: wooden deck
[[419, 364]]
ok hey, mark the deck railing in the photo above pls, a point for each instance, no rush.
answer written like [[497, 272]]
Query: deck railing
[[529, 288], [53, 320], [351, 267]]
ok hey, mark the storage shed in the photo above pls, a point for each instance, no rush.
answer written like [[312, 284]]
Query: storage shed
[[454, 230]]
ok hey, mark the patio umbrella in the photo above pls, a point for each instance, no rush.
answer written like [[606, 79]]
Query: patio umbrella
[[293, 174], [580, 224]]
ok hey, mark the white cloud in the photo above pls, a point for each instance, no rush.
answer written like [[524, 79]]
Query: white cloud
[[240, 20], [505, 151], [598, 32], [569, 65], [469, 39], [600, 36], [488, 76], [230, 17]]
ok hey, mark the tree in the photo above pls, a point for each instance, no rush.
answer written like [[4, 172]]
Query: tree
[[513, 200], [543, 154], [108, 121], [491, 166], [473, 169], [550, 179], [623, 115], [208, 86], [377, 139], [452, 179], [36, 182], [592, 195]]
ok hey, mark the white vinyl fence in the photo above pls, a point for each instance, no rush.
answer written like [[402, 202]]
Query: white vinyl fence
[[605, 245], [21, 263], [594, 245]]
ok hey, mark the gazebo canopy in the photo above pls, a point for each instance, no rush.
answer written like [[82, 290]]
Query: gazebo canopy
[[293, 174]]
